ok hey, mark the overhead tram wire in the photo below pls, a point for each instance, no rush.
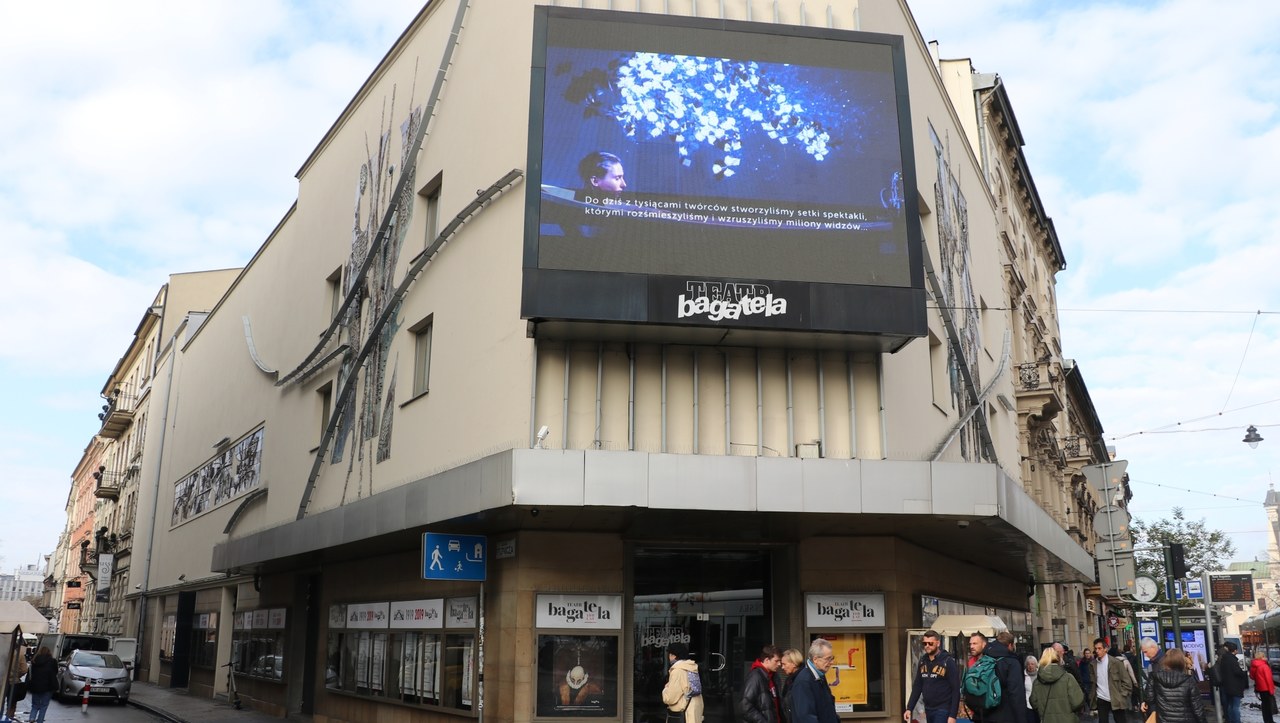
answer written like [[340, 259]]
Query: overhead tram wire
[[1243, 356], [1161, 429], [1196, 492]]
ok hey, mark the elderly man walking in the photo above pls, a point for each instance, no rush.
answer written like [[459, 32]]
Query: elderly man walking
[[811, 698]]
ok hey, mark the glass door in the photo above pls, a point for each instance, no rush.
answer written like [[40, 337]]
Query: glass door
[[711, 601]]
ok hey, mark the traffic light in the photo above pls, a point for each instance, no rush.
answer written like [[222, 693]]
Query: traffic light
[[1177, 561]]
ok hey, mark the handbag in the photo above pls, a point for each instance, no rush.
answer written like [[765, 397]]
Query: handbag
[[20, 690], [1151, 718]]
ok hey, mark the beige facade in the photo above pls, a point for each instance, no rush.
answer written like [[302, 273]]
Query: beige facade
[[277, 523]]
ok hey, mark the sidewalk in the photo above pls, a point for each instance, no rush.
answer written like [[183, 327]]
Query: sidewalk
[[176, 705]]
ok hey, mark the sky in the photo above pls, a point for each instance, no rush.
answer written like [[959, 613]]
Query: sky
[[145, 138]]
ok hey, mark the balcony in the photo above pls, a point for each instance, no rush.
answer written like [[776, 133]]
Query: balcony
[[116, 415], [108, 487], [1039, 389]]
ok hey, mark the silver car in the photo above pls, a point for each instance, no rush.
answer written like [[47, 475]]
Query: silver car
[[104, 673]]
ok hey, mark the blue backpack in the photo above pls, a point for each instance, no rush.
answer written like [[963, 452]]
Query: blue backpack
[[695, 684]]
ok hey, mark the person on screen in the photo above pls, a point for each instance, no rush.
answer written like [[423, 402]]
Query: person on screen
[[602, 178]]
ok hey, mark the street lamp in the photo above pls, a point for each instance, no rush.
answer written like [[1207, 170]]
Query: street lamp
[[1252, 437]]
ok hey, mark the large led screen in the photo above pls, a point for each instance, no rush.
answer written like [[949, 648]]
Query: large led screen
[[717, 173]]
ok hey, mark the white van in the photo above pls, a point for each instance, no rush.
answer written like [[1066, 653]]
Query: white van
[[127, 650]]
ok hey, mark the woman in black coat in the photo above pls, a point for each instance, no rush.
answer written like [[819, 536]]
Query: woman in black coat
[[42, 682], [1172, 692]]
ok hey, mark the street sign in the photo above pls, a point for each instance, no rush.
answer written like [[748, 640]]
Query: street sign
[[1106, 477], [1117, 548], [1194, 590], [1117, 576], [1112, 523], [453, 557]]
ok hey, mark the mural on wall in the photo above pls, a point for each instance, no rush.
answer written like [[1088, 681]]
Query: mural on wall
[[957, 289], [233, 473], [366, 418]]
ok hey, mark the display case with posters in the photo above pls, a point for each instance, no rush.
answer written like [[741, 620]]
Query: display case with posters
[[578, 638], [854, 625]]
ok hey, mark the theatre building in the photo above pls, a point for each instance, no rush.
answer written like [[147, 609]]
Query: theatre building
[[591, 331]]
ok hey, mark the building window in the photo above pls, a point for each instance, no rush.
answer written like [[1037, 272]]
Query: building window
[[168, 635], [422, 332], [334, 282], [939, 363], [326, 405], [257, 643], [204, 640], [431, 193], [419, 652]]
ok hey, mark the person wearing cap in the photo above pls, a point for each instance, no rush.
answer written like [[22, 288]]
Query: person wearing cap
[[684, 703]]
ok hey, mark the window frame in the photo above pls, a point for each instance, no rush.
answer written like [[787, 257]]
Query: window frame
[[423, 335]]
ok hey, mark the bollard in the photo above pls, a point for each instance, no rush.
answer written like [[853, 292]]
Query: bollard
[[84, 699]]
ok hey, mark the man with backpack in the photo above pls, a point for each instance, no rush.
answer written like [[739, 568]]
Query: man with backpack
[[937, 681], [995, 684]]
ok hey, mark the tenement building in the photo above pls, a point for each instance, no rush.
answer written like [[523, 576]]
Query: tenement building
[[592, 331]]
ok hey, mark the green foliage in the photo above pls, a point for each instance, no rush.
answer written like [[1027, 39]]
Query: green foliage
[[1205, 549]]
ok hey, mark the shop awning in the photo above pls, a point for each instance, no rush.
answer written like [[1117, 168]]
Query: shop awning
[[950, 626], [19, 613]]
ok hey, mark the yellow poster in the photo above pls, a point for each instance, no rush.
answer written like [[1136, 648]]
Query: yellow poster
[[848, 674]]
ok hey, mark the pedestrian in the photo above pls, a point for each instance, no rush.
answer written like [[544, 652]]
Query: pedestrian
[[1056, 695], [1086, 680], [760, 700], [1263, 684], [1012, 707], [1173, 693], [42, 682], [1135, 665], [1231, 682], [1030, 667], [792, 664], [16, 671], [683, 692], [972, 705], [811, 698], [937, 681], [1113, 683]]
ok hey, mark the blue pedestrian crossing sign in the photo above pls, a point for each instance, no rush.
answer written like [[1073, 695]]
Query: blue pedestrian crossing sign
[[454, 557]]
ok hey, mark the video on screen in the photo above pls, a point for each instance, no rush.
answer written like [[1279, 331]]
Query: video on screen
[[680, 151]]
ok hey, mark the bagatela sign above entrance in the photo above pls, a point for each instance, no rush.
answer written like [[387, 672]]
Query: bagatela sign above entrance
[[844, 610], [593, 612]]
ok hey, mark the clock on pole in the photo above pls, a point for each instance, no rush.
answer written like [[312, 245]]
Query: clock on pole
[[1144, 588]]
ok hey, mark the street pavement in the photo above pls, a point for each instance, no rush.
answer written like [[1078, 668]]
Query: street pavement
[[148, 702]]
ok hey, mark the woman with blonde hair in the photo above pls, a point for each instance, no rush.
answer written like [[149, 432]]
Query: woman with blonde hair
[[792, 663], [1056, 695]]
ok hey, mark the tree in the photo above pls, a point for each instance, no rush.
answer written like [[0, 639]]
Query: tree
[[1205, 549]]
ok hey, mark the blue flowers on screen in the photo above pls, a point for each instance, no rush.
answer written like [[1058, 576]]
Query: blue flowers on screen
[[696, 102]]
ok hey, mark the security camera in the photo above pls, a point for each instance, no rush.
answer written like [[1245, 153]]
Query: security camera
[[962, 524], [541, 436]]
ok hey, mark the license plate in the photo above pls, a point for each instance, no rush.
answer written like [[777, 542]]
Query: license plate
[[100, 689]]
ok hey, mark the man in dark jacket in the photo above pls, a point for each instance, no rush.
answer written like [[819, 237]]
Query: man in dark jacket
[[937, 680], [811, 698], [760, 702], [1013, 686], [1231, 681]]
